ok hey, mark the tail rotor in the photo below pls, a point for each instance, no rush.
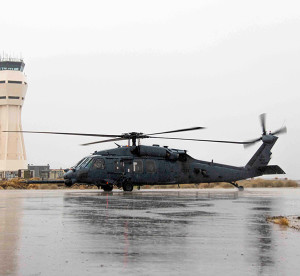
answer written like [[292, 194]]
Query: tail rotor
[[262, 119]]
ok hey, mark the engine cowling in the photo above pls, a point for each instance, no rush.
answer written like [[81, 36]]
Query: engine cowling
[[156, 152]]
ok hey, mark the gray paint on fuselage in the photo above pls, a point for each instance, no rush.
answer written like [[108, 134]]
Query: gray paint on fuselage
[[172, 167]]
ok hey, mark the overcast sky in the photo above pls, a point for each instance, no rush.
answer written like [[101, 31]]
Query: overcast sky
[[119, 66]]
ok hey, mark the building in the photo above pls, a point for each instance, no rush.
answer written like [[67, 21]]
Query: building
[[7, 175], [56, 174], [13, 87], [42, 172]]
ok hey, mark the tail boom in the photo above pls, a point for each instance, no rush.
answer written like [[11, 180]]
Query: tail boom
[[258, 164]]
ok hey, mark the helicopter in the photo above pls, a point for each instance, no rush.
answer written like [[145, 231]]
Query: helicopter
[[138, 165]]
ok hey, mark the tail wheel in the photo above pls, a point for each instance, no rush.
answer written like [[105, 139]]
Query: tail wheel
[[127, 187], [107, 188]]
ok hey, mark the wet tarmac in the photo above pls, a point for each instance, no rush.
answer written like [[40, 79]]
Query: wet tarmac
[[160, 232]]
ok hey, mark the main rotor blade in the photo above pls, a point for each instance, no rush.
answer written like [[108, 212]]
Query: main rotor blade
[[103, 141], [263, 122], [68, 133], [178, 130], [251, 142], [279, 131], [201, 140]]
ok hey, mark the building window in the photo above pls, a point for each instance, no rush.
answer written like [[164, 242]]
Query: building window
[[19, 82], [13, 97], [138, 166], [2, 97], [2, 81], [150, 166]]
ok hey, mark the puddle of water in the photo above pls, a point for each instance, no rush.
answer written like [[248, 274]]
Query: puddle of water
[[148, 232]]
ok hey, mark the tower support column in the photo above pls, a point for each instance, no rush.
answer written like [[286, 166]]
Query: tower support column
[[13, 87]]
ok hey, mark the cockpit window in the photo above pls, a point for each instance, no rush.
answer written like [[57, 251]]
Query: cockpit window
[[79, 163], [99, 163], [83, 163], [86, 163]]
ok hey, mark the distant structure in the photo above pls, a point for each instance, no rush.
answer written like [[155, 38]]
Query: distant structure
[[13, 87], [39, 171]]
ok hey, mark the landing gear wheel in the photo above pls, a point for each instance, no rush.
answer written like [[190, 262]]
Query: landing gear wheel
[[241, 188], [68, 184], [127, 187], [107, 188]]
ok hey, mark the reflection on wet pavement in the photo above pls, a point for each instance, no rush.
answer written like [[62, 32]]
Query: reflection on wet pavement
[[10, 228], [166, 232]]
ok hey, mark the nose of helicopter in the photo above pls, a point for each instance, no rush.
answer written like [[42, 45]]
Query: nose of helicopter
[[69, 177]]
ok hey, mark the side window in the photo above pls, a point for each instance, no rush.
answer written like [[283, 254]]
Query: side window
[[119, 166], [99, 164], [128, 167], [150, 166], [138, 166]]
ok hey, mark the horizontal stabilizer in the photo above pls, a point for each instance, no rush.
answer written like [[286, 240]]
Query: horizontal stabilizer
[[274, 169]]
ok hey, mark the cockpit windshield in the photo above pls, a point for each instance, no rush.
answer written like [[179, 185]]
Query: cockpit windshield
[[78, 163], [83, 163]]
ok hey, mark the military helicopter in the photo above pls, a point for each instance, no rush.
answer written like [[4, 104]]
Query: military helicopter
[[137, 165]]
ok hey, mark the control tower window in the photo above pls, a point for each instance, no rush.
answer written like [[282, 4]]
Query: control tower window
[[12, 64]]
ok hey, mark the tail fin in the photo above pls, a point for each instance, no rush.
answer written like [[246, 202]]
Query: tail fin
[[263, 155]]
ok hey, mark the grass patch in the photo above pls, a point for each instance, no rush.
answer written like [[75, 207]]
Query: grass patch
[[252, 183], [268, 183], [279, 220], [16, 184]]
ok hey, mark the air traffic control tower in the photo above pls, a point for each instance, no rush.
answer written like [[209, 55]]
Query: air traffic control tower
[[13, 87]]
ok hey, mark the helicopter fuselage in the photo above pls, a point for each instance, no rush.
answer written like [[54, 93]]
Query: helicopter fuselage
[[150, 165], [138, 165]]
